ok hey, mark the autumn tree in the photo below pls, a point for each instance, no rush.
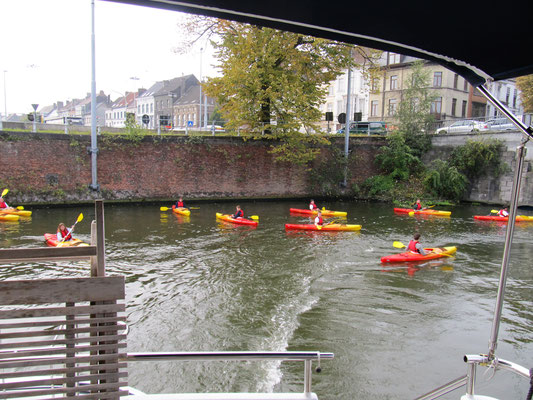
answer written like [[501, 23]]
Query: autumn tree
[[525, 84], [272, 81]]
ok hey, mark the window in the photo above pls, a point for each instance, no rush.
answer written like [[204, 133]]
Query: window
[[393, 104], [463, 110], [342, 85], [437, 79], [329, 107], [151, 107], [455, 81], [375, 85], [331, 90], [374, 108], [514, 98], [507, 96], [394, 82], [340, 108], [466, 86], [394, 58], [436, 105], [454, 106]]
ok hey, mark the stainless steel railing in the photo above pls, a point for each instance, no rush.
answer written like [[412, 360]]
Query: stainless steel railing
[[306, 356]]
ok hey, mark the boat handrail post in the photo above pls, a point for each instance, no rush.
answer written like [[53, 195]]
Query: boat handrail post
[[471, 378], [307, 376]]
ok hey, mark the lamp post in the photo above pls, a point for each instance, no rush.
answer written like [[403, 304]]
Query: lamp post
[[200, 100], [5, 97]]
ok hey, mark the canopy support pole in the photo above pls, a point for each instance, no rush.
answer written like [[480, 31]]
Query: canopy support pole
[[513, 204]]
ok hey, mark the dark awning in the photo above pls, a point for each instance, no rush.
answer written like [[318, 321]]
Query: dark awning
[[475, 39]]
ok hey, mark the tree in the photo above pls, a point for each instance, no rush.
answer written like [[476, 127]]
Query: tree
[[414, 109], [273, 82], [525, 84]]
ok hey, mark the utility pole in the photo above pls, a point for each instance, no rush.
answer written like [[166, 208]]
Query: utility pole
[[94, 146]]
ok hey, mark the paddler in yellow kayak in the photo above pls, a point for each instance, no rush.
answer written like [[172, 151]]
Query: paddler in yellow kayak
[[3, 204], [180, 203]]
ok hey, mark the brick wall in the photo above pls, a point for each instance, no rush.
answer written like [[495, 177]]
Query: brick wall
[[41, 168]]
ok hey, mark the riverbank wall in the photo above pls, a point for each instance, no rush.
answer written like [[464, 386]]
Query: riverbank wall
[[40, 168], [43, 168]]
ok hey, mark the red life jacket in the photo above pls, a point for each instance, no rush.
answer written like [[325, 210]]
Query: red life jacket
[[180, 204], [239, 214], [417, 206], [66, 238], [412, 246], [3, 204], [501, 213], [314, 206], [320, 220]]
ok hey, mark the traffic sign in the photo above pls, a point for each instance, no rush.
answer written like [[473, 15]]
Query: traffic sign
[[341, 118], [189, 123], [146, 119]]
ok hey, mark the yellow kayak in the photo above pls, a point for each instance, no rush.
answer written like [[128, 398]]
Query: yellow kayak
[[14, 211], [181, 211], [9, 217]]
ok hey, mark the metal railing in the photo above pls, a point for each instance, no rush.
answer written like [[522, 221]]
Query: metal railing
[[306, 356]]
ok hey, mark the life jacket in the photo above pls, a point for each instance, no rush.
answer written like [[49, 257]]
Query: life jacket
[[313, 207], [417, 206], [320, 220], [412, 246], [66, 238], [239, 214], [503, 213], [180, 204], [3, 204]]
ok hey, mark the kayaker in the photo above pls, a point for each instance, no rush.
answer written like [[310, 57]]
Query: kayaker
[[180, 203], [238, 213], [503, 212], [312, 205], [418, 205], [3, 204], [415, 246], [318, 219], [63, 234]]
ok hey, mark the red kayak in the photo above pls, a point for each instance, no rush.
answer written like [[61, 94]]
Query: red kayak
[[324, 228], [519, 218], [410, 256], [240, 221], [51, 240]]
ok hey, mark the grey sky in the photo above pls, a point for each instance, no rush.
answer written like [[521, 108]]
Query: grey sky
[[45, 47]]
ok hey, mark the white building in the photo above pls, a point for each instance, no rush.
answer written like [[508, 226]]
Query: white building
[[145, 105], [506, 92], [336, 100]]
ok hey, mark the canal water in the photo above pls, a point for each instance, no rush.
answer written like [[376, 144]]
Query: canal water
[[194, 284]]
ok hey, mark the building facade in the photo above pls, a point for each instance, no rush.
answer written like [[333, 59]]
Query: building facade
[[455, 97]]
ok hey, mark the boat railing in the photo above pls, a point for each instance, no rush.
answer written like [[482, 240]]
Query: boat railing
[[469, 380], [307, 357]]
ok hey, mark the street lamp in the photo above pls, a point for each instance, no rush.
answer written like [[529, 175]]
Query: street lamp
[[200, 100], [5, 97]]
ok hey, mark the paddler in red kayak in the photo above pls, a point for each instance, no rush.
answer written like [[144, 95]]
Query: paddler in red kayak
[[503, 212], [318, 219], [415, 246], [418, 205], [63, 234], [312, 205], [238, 213]]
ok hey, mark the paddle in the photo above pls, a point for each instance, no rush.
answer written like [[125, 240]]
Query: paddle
[[400, 245], [170, 208], [80, 218]]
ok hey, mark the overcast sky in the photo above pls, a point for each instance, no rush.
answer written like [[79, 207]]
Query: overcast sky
[[45, 47]]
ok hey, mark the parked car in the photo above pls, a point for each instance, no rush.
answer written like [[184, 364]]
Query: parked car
[[500, 124], [372, 128], [217, 128], [463, 126]]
